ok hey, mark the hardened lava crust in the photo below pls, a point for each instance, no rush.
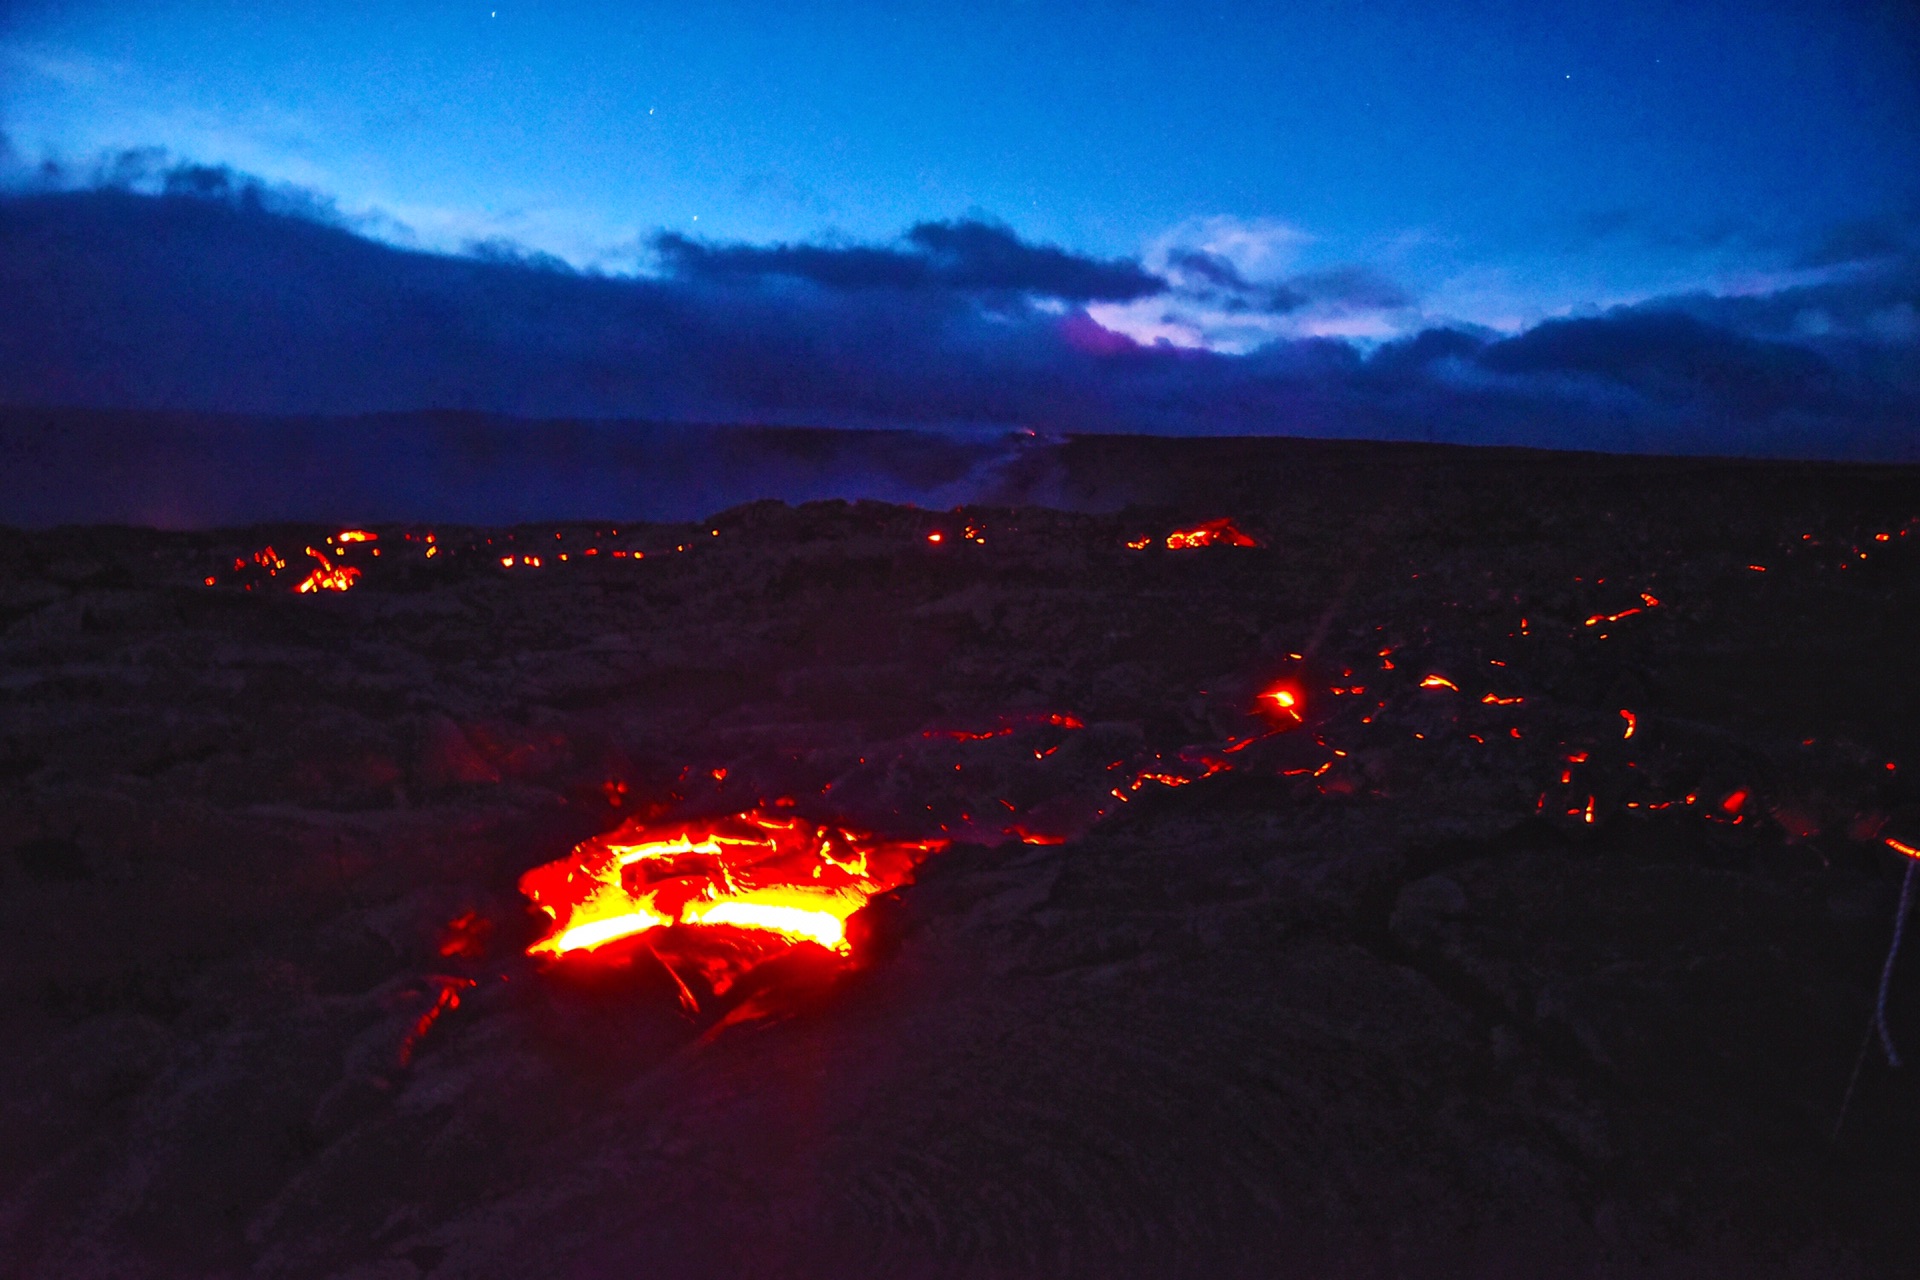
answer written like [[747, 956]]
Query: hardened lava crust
[[1303, 860]]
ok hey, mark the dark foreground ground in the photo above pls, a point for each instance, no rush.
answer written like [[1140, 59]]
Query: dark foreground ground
[[1430, 985]]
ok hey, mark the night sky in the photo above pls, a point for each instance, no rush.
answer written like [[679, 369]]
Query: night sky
[[1630, 224]]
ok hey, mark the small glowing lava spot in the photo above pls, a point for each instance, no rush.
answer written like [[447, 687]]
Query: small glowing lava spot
[[1495, 700], [1438, 682], [1734, 802], [1139, 544], [1281, 700], [356, 535], [1758, 568], [211, 581], [1633, 722], [935, 536], [1901, 847]]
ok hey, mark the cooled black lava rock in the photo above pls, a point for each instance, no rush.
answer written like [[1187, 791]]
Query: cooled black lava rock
[[1475, 976]]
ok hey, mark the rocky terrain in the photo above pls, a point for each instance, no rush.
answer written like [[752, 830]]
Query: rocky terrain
[[1539, 938]]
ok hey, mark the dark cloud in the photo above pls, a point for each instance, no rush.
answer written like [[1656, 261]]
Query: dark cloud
[[1864, 240], [964, 255], [499, 249], [153, 171], [1360, 288], [1212, 279], [1207, 269], [217, 299], [1871, 304], [1669, 357], [1416, 355]]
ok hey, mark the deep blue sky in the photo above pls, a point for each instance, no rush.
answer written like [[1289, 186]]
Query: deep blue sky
[[1496, 162]]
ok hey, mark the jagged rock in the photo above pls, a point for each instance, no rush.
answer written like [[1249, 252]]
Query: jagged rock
[[448, 758], [1424, 908]]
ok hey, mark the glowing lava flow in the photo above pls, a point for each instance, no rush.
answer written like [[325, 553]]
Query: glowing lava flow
[[1214, 533], [328, 577], [782, 880]]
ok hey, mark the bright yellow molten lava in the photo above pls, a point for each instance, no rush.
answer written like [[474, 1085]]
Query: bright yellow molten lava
[[584, 937], [823, 925], [783, 880]]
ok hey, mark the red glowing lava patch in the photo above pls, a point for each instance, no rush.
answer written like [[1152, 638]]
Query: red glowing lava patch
[[752, 885], [1214, 533]]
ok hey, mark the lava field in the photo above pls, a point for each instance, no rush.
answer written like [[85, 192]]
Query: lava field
[[1301, 859]]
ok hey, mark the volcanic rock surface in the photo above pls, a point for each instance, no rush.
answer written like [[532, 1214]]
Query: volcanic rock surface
[[1541, 941]]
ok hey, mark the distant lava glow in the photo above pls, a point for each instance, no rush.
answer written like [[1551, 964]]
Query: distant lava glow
[[776, 880], [1214, 533], [328, 577]]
